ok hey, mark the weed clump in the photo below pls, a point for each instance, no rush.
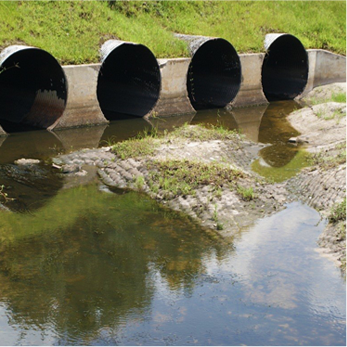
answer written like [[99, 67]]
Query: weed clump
[[182, 177], [338, 213], [205, 133], [247, 194], [144, 144]]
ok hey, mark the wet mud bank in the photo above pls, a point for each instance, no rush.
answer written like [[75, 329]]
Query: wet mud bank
[[225, 195], [226, 207]]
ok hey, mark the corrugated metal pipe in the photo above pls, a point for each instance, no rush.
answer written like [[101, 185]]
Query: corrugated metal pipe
[[129, 79], [214, 74], [33, 88], [285, 67]]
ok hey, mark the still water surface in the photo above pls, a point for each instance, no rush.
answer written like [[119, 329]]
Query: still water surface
[[86, 266]]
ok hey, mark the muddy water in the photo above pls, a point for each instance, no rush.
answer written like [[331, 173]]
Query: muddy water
[[89, 266], [267, 124], [96, 268]]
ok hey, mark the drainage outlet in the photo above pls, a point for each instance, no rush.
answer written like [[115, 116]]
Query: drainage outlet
[[285, 67], [214, 75], [129, 80], [33, 89]]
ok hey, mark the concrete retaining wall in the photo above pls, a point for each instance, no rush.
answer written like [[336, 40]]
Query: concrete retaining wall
[[324, 68], [173, 97], [82, 107], [251, 90]]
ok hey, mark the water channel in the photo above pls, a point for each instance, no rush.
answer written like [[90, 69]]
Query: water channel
[[83, 265]]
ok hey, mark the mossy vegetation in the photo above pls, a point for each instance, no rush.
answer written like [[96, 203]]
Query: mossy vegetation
[[72, 31], [179, 177], [147, 142], [330, 159], [182, 177], [339, 97], [338, 213]]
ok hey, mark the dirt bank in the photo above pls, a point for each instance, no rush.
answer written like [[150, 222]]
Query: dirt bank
[[207, 174]]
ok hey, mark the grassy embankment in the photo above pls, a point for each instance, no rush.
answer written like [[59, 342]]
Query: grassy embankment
[[73, 30]]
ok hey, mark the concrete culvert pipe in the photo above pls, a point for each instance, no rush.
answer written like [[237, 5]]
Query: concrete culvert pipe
[[129, 79], [285, 67], [214, 75], [33, 88]]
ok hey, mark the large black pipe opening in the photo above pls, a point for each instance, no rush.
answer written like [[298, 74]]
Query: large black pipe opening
[[285, 68], [33, 89], [129, 80], [214, 75]]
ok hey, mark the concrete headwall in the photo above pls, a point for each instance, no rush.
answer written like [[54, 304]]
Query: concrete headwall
[[82, 106], [324, 68], [251, 90], [173, 97]]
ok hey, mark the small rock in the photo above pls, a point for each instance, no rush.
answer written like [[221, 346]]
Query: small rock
[[70, 168], [24, 161]]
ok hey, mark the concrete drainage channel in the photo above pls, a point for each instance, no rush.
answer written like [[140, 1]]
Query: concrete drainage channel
[[36, 92]]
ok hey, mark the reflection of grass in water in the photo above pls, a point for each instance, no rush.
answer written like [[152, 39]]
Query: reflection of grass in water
[[280, 174], [89, 254]]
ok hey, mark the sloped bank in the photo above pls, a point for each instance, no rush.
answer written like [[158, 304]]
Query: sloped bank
[[323, 185], [206, 173]]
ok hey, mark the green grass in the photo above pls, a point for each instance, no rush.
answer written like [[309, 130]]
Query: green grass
[[328, 160], [338, 213], [146, 142], [206, 132], [335, 97], [72, 31], [182, 177], [134, 148], [339, 97], [247, 194]]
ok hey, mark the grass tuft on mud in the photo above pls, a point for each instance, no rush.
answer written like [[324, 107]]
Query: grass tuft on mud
[[182, 177], [329, 159], [147, 142], [206, 132], [338, 213]]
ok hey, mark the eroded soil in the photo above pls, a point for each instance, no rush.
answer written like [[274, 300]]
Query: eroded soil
[[223, 208]]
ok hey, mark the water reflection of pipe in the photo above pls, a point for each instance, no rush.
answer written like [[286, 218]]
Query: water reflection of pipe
[[40, 144], [78, 138], [130, 127], [246, 120], [285, 67], [2, 139], [98, 238], [276, 130], [33, 89], [30, 185], [214, 73], [2, 132], [128, 81]]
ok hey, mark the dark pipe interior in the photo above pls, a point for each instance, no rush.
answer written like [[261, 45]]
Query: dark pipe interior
[[128, 82], [214, 75], [285, 69], [33, 90]]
